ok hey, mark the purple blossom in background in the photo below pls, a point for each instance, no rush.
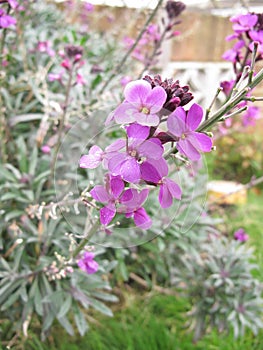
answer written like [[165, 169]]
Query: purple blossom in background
[[6, 20], [250, 116], [182, 126], [13, 3], [139, 149], [125, 80], [141, 105], [132, 202], [227, 86], [88, 6], [243, 23], [45, 47], [241, 235], [88, 264]]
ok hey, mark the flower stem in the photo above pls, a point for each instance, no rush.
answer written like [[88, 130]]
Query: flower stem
[[128, 53], [231, 103], [92, 231], [61, 126]]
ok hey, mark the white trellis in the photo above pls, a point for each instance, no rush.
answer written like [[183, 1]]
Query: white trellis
[[203, 78]]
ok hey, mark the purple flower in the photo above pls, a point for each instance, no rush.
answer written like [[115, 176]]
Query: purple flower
[[56, 76], [96, 155], [155, 172], [110, 195], [241, 235], [128, 164], [88, 6], [227, 86], [6, 20], [87, 264], [45, 47], [251, 115], [232, 54], [182, 126], [243, 23], [141, 105], [132, 202], [13, 3]]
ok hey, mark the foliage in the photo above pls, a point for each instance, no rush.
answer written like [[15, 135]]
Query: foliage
[[53, 101]]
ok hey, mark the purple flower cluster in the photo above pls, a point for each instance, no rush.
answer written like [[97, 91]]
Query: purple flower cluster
[[136, 164], [71, 63], [240, 235], [87, 263], [248, 30], [154, 35]]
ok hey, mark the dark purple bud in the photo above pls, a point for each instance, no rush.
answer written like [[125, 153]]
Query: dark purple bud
[[174, 8], [72, 51]]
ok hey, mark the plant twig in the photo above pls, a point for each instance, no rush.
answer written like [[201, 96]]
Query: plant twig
[[128, 53]]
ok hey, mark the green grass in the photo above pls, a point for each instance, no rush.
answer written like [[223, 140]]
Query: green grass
[[146, 322]]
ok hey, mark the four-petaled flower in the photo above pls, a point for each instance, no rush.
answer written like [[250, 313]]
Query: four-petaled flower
[[87, 263], [110, 195], [155, 172], [141, 105], [132, 202], [182, 126], [128, 164], [241, 235]]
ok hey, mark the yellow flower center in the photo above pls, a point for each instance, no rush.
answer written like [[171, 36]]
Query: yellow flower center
[[133, 153], [145, 110], [183, 137]]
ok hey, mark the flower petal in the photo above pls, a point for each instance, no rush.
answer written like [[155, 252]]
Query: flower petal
[[124, 114], [147, 119], [173, 188], [194, 116], [137, 91], [116, 145], [175, 122], [93, 159], [156, 99], [201, 141], [186, 148], [107, 214], [141, 219], [138, 131], [165, 197], [117, 186], [150, 149], [149, 173], [130, 171], [100, 194]]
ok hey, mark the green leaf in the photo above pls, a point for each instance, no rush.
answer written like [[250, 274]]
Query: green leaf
[[65, 307], [100, 307], [33, 161], [13, 214], [96, 81], [80, 321], [66, 325]]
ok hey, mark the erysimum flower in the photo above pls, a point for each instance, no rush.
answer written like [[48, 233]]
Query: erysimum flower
[[132, 202], [110, 196], [155, 172], [182, 126], [87, 263], [141, 105], [6, 20], [241, 235], [128, 164]]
